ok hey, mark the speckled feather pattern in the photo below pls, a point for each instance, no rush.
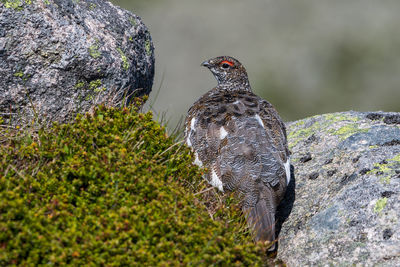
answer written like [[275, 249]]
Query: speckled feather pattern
[[241, 139]]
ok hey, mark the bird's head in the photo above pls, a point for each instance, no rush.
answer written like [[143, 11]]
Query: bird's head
[[228, 71]]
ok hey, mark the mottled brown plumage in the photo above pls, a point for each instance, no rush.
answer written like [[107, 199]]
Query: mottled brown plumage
[[241, 139]]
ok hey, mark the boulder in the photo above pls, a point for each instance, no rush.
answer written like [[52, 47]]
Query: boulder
[[346, 209], [60, 57]]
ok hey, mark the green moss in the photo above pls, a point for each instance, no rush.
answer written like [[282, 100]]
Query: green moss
[[92, 6], [380, 205], [46, 2], [94, 51], [125, 63], [111, 189], [147, 46]]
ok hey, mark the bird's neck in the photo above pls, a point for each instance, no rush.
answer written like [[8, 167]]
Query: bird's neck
[[233, 87], [238, 83]]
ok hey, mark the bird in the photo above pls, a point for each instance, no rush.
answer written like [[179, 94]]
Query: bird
[[241, 141]]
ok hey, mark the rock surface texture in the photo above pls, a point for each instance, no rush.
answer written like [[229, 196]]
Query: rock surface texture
[[347, 201], [60, 57]]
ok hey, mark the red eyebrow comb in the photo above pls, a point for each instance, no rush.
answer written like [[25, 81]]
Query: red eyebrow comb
[[227, 62]]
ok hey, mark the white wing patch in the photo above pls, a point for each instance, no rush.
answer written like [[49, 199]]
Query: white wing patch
[[197, 161], [189, 144], [222, 133], [192, 124], [215, 181], [259, 120], [287, 169]]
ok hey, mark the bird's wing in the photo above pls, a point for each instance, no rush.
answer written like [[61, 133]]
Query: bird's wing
[[276, 126], [205, 130]]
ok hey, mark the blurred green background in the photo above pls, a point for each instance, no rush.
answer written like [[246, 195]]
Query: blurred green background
[[305, 57]]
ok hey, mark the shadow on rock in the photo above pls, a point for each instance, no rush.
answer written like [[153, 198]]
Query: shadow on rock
[[285, 207]]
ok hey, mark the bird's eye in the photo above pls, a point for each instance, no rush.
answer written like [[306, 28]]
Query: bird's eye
[[226, 64]]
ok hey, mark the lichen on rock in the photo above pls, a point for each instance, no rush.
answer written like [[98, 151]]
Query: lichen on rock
[[52, 51], [350, 213]]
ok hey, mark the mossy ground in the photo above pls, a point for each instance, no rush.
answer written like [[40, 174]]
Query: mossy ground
[[112, 189]]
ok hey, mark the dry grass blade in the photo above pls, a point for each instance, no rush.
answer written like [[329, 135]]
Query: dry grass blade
[[203, 191], [168, 149], [17, 172]]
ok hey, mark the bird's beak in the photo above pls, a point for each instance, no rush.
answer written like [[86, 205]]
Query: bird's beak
[[205, 64]]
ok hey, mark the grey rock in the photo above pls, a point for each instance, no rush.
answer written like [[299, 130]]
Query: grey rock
[[60, 57], [348, 215]]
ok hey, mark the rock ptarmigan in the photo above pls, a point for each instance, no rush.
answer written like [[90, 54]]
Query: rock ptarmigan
[[241, 139]]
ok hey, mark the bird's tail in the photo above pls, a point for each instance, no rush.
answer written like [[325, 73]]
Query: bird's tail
[[261, 220]]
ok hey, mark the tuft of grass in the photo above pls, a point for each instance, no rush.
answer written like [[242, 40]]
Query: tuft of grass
[[112, 188]]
